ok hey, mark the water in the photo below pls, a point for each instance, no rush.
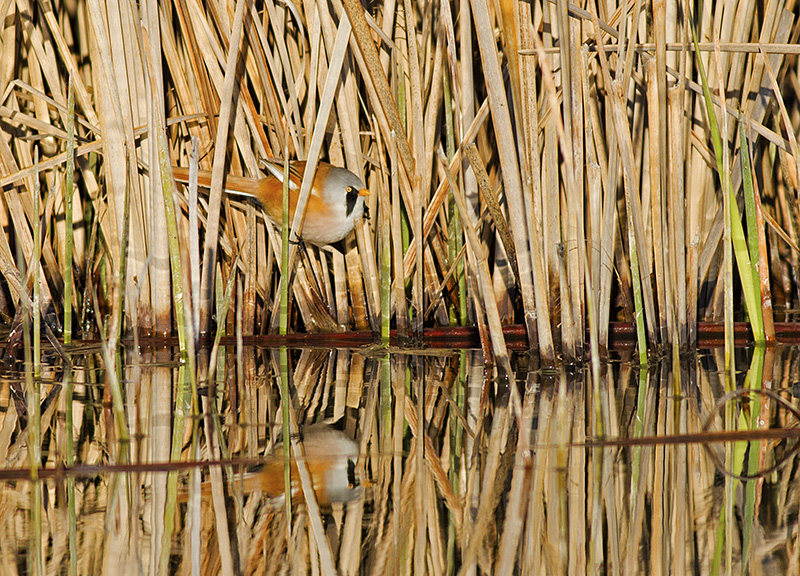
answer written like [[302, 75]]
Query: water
[[633, 474]]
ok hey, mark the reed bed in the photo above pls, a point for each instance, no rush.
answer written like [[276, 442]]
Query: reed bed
[[543, 164], [532, 163]]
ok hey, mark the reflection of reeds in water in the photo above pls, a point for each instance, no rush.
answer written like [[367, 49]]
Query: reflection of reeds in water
[[575, 160], [456, 475]]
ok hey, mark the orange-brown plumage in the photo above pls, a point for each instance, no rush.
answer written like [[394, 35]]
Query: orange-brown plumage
[[335, 202], [330, 456]]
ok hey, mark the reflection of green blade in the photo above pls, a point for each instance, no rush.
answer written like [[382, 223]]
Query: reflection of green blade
[[69, 459], [638, 430], [746, 420], [753, 381], [182, 407]]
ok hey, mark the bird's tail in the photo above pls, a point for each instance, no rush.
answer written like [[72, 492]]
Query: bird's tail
[[238, 185]]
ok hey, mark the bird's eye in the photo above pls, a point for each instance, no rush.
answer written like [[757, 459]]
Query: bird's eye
[[349, 190]]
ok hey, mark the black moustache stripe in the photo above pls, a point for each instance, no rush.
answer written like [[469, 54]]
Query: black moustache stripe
[[352, 479], [350, 201]]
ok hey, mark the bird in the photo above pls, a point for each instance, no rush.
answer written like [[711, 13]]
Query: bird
[[330, 456], [335, 203]]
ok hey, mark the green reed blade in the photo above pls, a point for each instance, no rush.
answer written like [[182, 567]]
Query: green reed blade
[[752, 223], [749, 282], [37, 258], [284, 284], [454, 239], [69, 187], [168, 190]]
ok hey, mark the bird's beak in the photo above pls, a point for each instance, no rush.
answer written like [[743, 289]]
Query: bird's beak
[[363, 192]]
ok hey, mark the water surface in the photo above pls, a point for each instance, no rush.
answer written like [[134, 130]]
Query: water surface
[[664, 470]]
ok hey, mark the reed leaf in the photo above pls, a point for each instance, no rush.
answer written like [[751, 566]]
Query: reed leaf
[[749, 284]]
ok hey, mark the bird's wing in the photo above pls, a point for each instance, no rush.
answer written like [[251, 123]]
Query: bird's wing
[[277, 171]]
